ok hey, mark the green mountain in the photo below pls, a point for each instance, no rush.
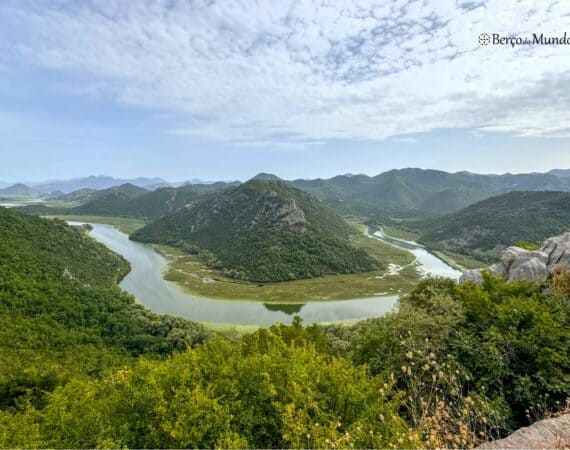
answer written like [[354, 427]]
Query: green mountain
[[414, 193], [484, 228], [80, 195], [62, 314], [110, 199], [148, 205], [106, 202], [17, 190], [266, 177], [262, 231]]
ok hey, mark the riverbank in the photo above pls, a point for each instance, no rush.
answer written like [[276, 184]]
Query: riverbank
[[126, 225], [455, 260], [188, 272], [146, 282]]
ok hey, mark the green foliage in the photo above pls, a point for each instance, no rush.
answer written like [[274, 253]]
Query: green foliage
[[262, 231], [262, 393], [143, 204], [453, 366], [482, 229], [527, 245], [61, 313], [415, 193], [510, 339]]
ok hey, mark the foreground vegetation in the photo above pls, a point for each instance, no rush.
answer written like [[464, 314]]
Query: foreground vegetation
[[453, 367], [82, 366]]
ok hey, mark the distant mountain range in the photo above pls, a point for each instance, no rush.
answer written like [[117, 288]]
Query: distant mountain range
[[17, 190], [94, 182], [147, 204], [403, 194], [262, 230], [560, 172], [409, 193]]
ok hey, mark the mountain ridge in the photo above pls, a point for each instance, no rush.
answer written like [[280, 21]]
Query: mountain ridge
[[262, 231], [483, 229]]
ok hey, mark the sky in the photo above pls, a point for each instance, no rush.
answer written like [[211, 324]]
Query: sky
[[303, 89]]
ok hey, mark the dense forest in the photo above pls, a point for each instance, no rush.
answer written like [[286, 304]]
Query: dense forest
[[262, 231], [454, 366], [62, 314], [483, 229], [81, 365]]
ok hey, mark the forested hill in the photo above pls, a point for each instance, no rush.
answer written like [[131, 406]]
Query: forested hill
[[414, 193], [51, 250], [150, 205], [263, 231], [484, 228], [61, 313]]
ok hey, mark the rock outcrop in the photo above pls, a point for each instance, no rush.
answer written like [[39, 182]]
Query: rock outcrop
[[549, 433], [534, 265], [557, 250]]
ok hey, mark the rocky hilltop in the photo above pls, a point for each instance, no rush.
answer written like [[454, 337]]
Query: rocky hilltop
[[517, 263]]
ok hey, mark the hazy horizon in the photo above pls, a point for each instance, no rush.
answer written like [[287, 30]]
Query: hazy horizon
[[198, 179], [223, 90]]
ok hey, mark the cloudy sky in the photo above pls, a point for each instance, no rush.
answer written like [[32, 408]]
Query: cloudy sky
[[223, 89]]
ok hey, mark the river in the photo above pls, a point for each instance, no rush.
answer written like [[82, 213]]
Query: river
[[146, 282]]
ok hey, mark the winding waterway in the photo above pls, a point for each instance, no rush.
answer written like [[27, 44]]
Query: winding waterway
[[146, 282], [429, 264]]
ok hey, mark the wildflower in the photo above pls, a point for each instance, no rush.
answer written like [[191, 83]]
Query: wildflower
[[410, 355]]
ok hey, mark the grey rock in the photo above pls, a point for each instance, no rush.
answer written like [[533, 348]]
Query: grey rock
[[534, 265], [533, 270], [499, 269], [513, 256], [473, 276], [548, 433], [521, 264], [557, 250]]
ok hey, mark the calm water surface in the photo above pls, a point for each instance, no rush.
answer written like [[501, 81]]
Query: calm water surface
[[146, 282], [429, 264]]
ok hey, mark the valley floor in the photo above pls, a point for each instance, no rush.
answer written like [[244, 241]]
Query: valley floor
[[398, 273], [194, 277]]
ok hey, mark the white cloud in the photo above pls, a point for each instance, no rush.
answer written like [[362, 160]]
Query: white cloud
[[258, 72]]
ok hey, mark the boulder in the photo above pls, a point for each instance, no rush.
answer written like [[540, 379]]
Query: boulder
[[533, 265], [548, 433], [520, 264], [474, 276], [533, 270], [557, 250]]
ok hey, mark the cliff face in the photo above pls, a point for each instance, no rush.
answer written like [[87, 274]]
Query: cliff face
[[549, 433], [519, 264]]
